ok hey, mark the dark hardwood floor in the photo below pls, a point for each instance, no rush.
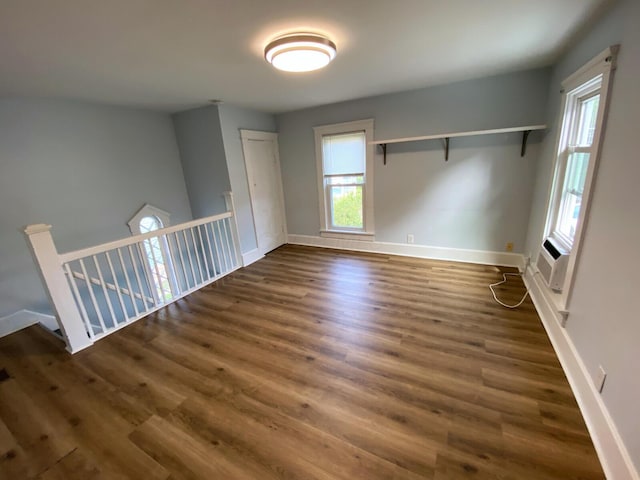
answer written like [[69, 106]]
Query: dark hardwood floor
[[309, 364]]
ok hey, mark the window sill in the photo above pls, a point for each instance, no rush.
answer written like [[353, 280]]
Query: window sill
[[346, 235], [556, 300], [561, 241]]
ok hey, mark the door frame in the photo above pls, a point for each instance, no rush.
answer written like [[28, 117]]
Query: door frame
[[257, 135]]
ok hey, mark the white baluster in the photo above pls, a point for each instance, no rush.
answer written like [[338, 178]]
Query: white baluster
[[215, 247], [174, 266], [211, 257], [79, 301], [135, 270], [118, 290], [227, 245], [184, 265], [128, 282], [150, 284], [92, 295], [197, 254], [186, 245], [104, 289], [224, 257], [204, 254]]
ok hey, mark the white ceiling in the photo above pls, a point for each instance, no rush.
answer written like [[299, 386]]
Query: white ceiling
[[176, 54]]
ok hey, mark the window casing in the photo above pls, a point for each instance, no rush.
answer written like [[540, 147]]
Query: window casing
[[155, 251], [581, 126], [344, 157], [574, 154], [156, 258]]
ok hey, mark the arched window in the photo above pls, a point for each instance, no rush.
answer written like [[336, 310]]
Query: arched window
[[156, 258], [155, 250]]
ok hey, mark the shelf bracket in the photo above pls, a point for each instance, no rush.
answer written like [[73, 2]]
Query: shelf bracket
[[384, 152], [446, 148], [525, 136]]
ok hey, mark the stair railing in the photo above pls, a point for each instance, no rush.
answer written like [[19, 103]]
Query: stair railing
[[99, 290]]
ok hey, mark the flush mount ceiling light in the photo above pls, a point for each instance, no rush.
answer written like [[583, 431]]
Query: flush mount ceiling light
[[300, 52]]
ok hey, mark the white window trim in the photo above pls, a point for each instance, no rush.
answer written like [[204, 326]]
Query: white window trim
[[367, 233], [571, 103], [165, 219], [603, 64], [148, 211]]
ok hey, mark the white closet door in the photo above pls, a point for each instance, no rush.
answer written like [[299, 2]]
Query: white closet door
[[265, 188]]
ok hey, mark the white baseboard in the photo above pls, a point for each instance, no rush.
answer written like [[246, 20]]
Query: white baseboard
[[505, 259], [613, 455], [251, 256], [23, 319]]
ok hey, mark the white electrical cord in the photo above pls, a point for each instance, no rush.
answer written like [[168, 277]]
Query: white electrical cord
[[504, 279]]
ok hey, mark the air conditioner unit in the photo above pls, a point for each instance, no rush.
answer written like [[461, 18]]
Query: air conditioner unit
[[552, 264]]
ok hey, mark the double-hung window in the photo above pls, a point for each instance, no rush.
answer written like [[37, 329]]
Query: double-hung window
[[581, 126], [344, 158], [576, 150], [345, 178]]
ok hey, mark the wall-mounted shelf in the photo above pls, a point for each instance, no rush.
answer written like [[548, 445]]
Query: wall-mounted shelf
[[526, 130]]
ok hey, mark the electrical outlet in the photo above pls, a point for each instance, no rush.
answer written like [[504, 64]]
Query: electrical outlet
[[410, 238], [509, 247], [600, 378]]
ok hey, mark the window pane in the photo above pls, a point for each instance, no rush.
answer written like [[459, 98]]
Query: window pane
[[156, 258], [577, 166], [587, 117], [346, 206], [343, 154], [573, 188], [345, 180], [569, 212], [149, 224]]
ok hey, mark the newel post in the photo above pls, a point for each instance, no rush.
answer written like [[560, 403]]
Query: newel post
[[58, 290], [231, 207]]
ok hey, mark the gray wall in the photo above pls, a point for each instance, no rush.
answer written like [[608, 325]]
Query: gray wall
[[479, 199], [83, 168], [603, 321], [203, 159], [232, 119]]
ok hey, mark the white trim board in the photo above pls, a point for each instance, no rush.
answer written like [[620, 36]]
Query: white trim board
[[613, 455], [251, 256], [23, 319], [504, 259]]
